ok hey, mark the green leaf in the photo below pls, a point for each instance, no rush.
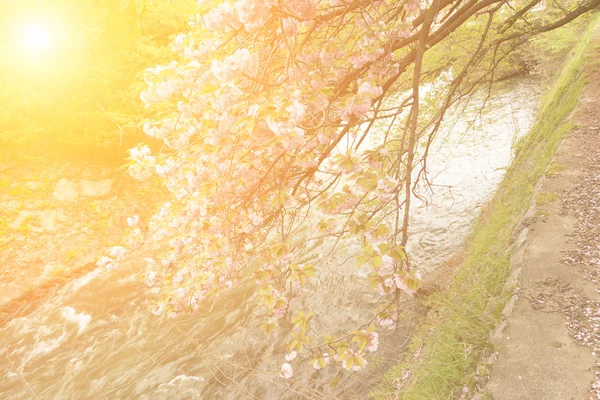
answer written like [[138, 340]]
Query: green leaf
[[382, 230], [278, 249], [328, 339], [397, 253], [321, 362], [361, 338], [353, 227], [207, 88], [350, 362], [367, 183], [250, 124], [374, 279], [266, 110], [301, 319], [300, 340], [327, 91], [342, 353], [359, 361], [268, 326], [309, 271], [361, 260], [383, 248], [377, 261]]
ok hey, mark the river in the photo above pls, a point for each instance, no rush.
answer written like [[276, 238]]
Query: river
[[94, 338]]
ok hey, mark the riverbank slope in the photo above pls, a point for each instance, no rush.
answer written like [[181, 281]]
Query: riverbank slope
[[452, 351]]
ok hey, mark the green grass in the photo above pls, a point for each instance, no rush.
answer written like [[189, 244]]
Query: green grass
[[448, 350]]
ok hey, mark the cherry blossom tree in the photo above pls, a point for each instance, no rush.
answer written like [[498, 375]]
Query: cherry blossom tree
[[292, 123]]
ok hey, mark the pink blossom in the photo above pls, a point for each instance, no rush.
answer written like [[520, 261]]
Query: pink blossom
[[178, 42], [275, 126], [140, 152], [223, 17], [143, 164], [253, 12], [291, 356], [389, 282], [158, 309], [370, 90], [111, 266], [386, 188], [103, 261], [256, 219], [354, 108], [290, 27], [387, 266], [386, 322], [354, 367], [150, 278], [286, 371], [153, 130], [133, 221], [411, 5], [240, 62], [303, 9], [253, 110], [316, 365], [296, 111], [406, 289], [373, 342]]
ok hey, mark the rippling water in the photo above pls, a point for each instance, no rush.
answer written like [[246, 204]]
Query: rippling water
[[95, 339], [466, 166]]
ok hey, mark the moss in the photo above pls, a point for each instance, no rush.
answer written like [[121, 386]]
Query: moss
[[543, 198], [554, 169], [4, 185], [451, 342], [542, 214], [72, 254], [20, 192], [59, 272]]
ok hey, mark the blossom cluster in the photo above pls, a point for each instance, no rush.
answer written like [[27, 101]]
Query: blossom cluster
[[251, 116]]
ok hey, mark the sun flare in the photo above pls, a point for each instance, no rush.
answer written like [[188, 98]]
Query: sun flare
[[36, 38]]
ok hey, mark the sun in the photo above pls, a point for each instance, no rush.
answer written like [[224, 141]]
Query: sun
[[36, 38]]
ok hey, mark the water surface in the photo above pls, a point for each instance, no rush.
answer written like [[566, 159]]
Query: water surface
[[95, 339]]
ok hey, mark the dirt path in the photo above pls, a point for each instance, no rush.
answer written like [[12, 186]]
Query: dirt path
[[550, 346]]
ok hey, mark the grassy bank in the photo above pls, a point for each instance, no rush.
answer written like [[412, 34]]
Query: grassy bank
[[448, 350]]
